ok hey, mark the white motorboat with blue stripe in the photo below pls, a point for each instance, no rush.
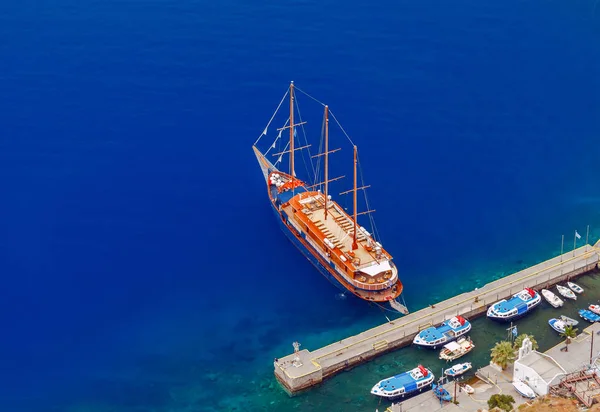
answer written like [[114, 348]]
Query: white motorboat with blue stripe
[[557, 324], [519, 305], [404, 384], [448, 331], [458, 369]]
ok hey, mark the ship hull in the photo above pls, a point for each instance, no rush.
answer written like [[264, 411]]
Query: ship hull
[[514, 317], [448, 339], [306, 252]]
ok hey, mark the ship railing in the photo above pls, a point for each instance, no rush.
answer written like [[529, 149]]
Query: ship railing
[[372, 286]]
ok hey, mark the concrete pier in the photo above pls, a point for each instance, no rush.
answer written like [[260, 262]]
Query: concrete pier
[[315, 366]]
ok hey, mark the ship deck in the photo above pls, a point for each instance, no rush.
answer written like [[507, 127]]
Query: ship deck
[[399, 381], [338, 227], [431, 334], [509, 304]]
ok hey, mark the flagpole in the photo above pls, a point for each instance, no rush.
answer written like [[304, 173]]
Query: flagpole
[[587, 235], [562, 244]]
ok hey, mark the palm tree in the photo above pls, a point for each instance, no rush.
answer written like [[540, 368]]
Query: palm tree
[[569, 333], [503, 354], [519, 342]]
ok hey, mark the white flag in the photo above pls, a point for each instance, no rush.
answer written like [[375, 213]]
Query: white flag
[[265, 131], [577, 235]]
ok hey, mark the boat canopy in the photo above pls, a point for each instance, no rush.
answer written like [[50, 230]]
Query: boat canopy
[[376, 268], [452, 346]]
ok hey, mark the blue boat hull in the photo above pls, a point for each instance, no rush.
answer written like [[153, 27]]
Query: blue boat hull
[[589, 316], [410, 394], [441, 393]]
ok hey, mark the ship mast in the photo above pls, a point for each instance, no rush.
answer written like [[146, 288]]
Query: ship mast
[[354, 244], [292, 133], [326, 157]]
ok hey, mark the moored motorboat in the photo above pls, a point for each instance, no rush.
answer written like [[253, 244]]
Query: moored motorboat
[[441, 393], [455, 350], [589, 316], [566, 292], [557, 324], [468, 389], [569, 321], [551, 298], [403, 384], [448, 331], [575, 287], [524, 389], [458, 369], [517, 306], [595, 309]]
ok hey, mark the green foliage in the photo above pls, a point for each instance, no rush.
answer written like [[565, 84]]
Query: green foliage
[[519, 342], [569, 333], [502, 354], [500, 401]]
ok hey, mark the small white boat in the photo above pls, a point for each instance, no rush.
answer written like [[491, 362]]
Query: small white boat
[[455, 350], [575, 287], [566, 292], [523, 389], [551, 298], [569, 321], [458, 369], [468, 389], [595, 309]]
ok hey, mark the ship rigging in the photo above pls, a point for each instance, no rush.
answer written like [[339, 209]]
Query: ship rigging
[[348, 255]]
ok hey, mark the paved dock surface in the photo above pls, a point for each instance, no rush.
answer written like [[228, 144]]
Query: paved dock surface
[[581, 349], [314, 366]]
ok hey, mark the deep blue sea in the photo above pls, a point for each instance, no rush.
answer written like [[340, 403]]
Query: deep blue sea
[[141, 266]]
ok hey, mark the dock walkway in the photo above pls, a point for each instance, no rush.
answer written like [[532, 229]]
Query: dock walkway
[[312, 367]]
